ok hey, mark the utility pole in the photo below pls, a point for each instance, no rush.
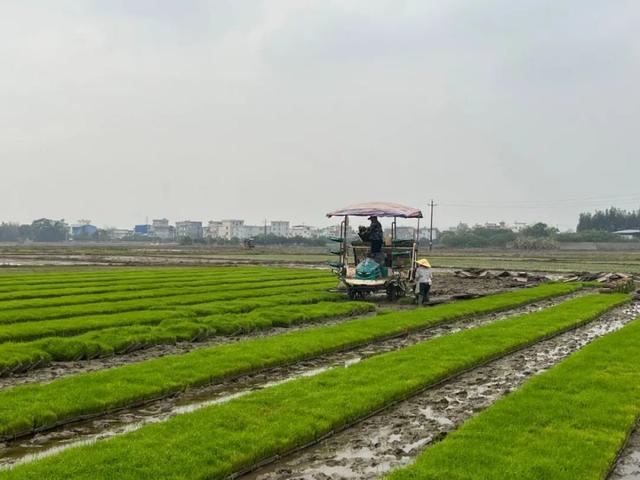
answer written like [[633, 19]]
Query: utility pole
[[431, 205], [265, 228]]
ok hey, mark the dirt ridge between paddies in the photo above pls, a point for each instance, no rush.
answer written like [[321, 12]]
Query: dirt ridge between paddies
[[26, 408], [568, 423], [268, 423]]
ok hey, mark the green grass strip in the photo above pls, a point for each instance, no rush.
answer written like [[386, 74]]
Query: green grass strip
[[54, 278], [113, 341], [161, 303], [165, 291], [568, 423], [21, 332], [26, 282], [219, 440], [25, 331], [153, 284], [28, 407]]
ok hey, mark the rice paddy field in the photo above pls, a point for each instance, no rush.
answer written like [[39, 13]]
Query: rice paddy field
[[268, 372], [61, 255]]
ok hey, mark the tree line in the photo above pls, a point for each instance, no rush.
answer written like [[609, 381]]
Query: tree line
[[534, 236], [592, 227], [609, 220], [41, 230]]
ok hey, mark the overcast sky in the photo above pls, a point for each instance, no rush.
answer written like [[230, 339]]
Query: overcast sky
[[118, 110]]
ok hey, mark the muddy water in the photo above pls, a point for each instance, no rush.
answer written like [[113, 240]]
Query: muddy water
[[53, 441], [395, 437], [628, 465], [446, 285]]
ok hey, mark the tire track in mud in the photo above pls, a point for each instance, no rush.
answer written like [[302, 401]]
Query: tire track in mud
[[395, 437], [125, 420]]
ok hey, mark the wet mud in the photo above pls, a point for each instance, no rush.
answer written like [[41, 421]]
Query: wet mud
[[628, 465], [126, 420], [394, 438]]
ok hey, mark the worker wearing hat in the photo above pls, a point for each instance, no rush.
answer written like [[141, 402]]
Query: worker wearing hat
[[423, 281]]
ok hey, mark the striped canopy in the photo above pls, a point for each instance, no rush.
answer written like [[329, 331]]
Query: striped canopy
[[377, 209]]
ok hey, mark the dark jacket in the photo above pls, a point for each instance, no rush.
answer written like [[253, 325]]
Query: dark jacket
[[375, 231]]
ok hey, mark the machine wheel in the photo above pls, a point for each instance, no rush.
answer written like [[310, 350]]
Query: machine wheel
[[394, 292], [354, 294]]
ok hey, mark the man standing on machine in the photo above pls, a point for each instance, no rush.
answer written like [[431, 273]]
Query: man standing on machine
[[376, 236]]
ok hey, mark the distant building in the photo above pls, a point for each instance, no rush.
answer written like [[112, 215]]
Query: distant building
[[119, 233], [518, 226], [189, 229], [250, 231], [304, 231], [405, 233], [83, 230], [142, 229], [213, 229], [493, 226], [279, 228], [334, 231], [628, 234], [160, 228], [232, 229]]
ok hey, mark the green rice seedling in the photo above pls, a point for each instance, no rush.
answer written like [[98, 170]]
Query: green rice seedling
[[247, 304], [174, 328], [100, 391], [67, 278], [68, 281], [221, 439], [565, 424], [161, 303], [25, 331], [167, 291], [151, 284], [20, 332]]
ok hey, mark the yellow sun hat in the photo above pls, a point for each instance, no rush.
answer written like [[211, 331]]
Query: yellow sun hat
[[424, 262]]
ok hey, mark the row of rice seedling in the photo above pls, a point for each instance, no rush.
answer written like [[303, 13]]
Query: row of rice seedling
[[273, 421], [119, 272], [149, 284], [112, 341], [24, 331], [163, 303], [260, 281], [568, 423], [65, 311], [58, 280], [28, 407], [38, 279]]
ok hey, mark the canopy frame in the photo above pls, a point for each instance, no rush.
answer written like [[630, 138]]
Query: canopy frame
[[377, 209]]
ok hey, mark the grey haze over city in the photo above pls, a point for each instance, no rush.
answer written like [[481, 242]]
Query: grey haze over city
[[118, 110]]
